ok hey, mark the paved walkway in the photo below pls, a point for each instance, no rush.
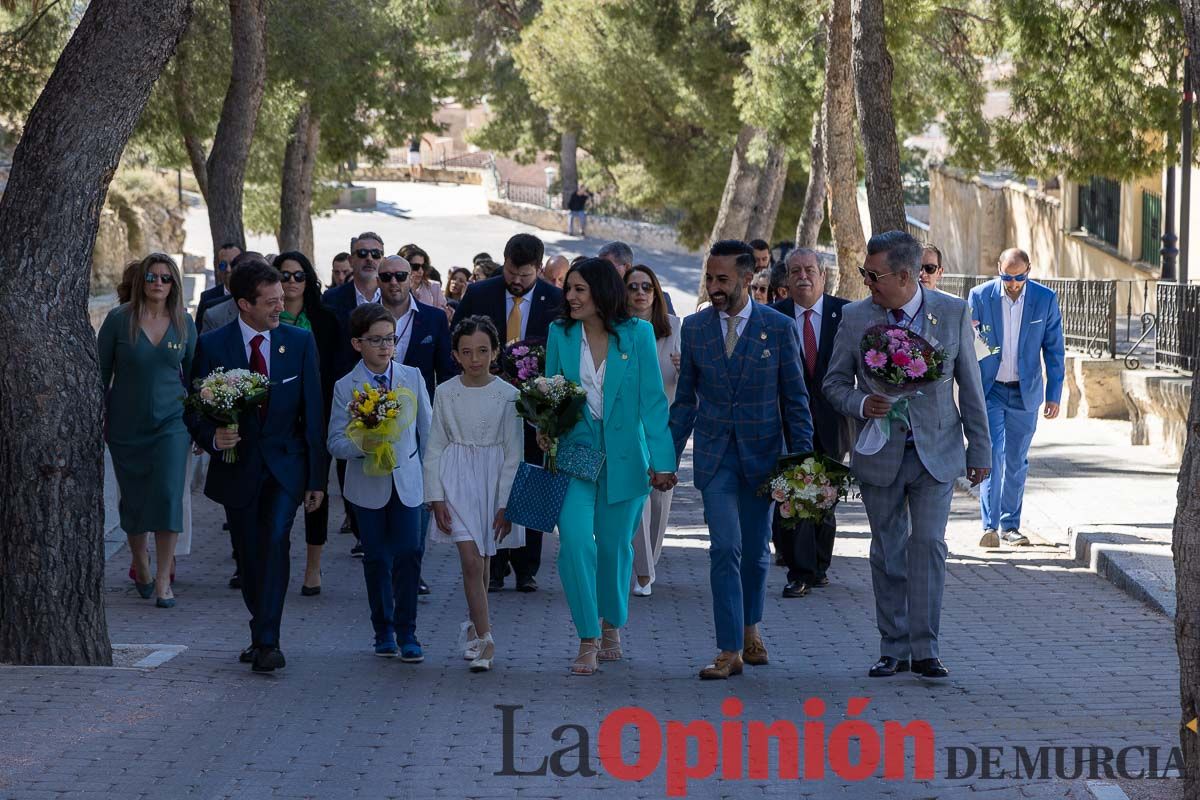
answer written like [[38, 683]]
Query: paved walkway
[[1042, 653]]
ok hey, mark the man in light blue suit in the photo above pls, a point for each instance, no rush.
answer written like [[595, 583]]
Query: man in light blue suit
[[740, 389], [1019, 322]]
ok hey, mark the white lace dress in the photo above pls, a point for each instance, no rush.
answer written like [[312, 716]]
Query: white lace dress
[[476, 442]]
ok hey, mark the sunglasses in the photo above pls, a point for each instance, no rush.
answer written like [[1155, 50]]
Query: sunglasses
[[379, 341], [398, 277], [872, 275], [154, 277], [416, 265], [298, 276], [363, 252], [929, 269], [1004, 276], [646, 287]]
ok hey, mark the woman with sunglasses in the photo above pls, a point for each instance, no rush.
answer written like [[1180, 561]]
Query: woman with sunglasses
[[302, 307], [145, 348], [645, 299], [423, 289]]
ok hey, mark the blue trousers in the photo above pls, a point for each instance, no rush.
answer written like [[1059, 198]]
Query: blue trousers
[[739, 528], [261, 533], [391, 540], [1002, 493]]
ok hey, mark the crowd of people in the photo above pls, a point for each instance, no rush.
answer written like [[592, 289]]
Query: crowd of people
[[770, 366]]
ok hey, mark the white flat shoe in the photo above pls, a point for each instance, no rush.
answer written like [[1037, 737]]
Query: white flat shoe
[[481, 664], [642, 591], [467, 640]]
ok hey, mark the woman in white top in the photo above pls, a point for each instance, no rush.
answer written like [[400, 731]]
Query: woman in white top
[[476, 441], [646, 301]]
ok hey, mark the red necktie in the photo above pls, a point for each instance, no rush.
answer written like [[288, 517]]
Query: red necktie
[[810, 344], [258, 364]]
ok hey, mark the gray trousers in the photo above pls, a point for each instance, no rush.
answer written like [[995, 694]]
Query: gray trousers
[[648, 540], [908, 558]]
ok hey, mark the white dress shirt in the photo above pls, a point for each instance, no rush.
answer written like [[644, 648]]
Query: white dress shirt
[[360, 298], [591, 379], [1010, 312], [404, 326], [264, 346], [526, 302], [743, 317], [817, 309]]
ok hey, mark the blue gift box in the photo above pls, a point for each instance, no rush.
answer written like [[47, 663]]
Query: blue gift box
[[537, 497], [579, 461]]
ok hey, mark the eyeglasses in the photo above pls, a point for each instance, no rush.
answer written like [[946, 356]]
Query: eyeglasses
[[398, 277], [1004, 276], [379, 341], [929, 269], [872, 275], [363, 252], [298, 276], [154, 277], [646, 287]]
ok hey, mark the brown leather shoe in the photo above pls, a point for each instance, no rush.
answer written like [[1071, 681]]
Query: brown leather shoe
[[724, 665], [754, 652]]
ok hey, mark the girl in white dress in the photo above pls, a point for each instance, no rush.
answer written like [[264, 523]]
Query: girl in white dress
[[475, 445]]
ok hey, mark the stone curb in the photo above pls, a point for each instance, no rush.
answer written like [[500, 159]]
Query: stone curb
[[1138, 565]]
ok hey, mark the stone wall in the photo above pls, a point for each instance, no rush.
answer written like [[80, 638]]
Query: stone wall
[[470, 177], [639, 235], [1158, 403], [141, 215]]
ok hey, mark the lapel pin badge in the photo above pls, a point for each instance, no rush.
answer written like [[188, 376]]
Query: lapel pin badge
[[624, 356], [763, 336], [282, 349]]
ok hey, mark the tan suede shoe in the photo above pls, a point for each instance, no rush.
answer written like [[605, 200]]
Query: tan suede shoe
[[723, 666], [754, 652]]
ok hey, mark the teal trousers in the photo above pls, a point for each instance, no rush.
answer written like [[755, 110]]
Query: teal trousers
[[595, 553]]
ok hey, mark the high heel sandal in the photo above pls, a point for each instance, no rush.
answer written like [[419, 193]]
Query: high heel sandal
[[578, 666], [470, 643], [481, 664], [610, 644]]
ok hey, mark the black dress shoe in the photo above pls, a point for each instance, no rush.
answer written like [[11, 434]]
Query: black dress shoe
[[236, 581], [820, 583], [929, 668], [795, 589], [527, 585], [495, 584], [422, 586], [310, 591], [887, 666], [268, 659], [247, 655], [356, 551]]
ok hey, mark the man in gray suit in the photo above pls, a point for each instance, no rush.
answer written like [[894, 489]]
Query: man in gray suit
[[908, 484]]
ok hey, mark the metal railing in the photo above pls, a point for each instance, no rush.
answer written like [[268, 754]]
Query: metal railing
[[961, 285], [1178, 322], [529, 193], [478, 160]]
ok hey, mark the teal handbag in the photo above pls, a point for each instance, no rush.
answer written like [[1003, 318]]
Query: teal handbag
[[580, 461]]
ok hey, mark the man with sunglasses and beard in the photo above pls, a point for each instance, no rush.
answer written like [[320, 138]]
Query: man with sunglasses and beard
[[1020, 322]]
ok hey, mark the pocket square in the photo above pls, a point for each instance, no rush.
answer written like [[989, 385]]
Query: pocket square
[[766, 354], [1036, 321], [427, 340], [288, 380]]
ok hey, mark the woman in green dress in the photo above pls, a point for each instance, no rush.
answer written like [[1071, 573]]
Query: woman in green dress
[[145, 347]]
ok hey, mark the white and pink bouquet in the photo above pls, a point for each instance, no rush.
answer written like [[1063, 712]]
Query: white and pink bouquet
[[553, 404], [223, 395], [807, 487], [897, 364]]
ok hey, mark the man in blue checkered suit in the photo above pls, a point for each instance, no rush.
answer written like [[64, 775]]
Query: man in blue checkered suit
[[740, 387]]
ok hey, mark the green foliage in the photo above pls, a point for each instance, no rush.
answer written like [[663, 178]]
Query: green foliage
[[30, 41]]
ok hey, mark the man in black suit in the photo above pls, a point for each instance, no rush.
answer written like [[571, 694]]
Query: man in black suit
[[808, 548], [221, 270], [522, 306]]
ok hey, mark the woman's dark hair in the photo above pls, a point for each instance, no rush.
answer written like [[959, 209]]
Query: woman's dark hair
[[409, 250], [133, 271], [608, 293], [312, 284], [658, 310], [455, 270], [475, 324]]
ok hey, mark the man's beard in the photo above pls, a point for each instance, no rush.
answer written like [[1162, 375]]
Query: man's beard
[[518, 291]]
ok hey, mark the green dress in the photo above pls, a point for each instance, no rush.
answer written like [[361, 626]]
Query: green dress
[[146, 435]]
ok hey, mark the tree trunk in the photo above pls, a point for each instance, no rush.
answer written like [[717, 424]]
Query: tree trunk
[[873, 90], [235, 130], [841, 155], [189, 129], [569, 176], [741, 185], [51, 532], [809, 227], [769, 194], [295, 201]]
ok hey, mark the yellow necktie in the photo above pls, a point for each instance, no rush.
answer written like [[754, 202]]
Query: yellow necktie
[[731, 337], [513, 332]]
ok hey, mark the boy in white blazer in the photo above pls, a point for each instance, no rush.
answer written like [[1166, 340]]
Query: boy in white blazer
[[388, 509]]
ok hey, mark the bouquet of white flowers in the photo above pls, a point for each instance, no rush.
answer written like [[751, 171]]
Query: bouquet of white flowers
[[552, 404], [223, 395]]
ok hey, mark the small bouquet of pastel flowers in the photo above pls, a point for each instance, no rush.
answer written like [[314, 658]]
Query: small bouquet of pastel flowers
[[552, 404], [521, 361], [377, 419], [807, 487], [222, 396], [897, 364]]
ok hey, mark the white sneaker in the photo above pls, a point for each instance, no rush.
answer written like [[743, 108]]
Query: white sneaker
[[642, 591]]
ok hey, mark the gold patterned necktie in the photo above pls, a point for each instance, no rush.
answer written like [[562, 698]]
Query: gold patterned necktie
[[513, 332], [731, 336]]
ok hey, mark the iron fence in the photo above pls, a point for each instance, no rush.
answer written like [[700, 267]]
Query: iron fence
[[529, 193], [1178, 326], [478, 160]]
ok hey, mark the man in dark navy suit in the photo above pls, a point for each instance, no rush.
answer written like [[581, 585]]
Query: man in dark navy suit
[[807, 549], [423, 331], [221, 271], [281, 459], [521, 306]]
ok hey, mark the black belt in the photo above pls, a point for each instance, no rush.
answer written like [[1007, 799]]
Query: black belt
[[1010, 384]]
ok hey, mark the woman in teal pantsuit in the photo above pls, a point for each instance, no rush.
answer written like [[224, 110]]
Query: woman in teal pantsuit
[[615, 359], [145, 346]]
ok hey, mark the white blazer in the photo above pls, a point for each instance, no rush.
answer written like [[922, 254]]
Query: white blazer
[[370, 491]]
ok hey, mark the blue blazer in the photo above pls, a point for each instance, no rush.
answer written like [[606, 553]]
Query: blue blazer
[[1041, 340], [290, 442], [429, 346], [634, 427], [754, 397], [341, 301]]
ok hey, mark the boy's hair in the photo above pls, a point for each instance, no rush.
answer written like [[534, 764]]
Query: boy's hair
[[366, 315], [475, 324]]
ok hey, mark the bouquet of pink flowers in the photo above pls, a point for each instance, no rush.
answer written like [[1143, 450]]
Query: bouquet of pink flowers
[[522, 360], [807, 487], [897, 364]]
